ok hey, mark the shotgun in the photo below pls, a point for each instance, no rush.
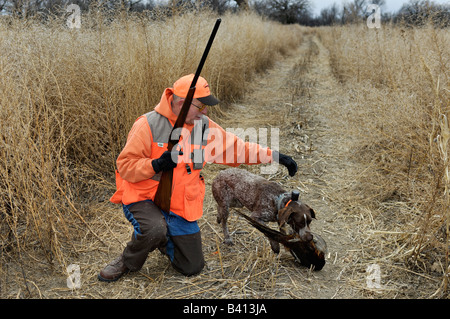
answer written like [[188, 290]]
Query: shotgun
[[164, 191]]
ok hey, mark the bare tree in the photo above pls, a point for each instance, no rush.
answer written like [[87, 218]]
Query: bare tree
[[329, 16], [380, 3], [23, 8], [2, 5], [420, 12], [27, 8], [354, 11], [284, 11], [242, 4], [219, 6], [126, 4]]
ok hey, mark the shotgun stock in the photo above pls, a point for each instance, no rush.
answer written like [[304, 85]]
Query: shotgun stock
[[164, 191]]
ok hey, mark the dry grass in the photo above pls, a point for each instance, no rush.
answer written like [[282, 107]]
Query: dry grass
[[397, 84], [67, 101], [69, 97]]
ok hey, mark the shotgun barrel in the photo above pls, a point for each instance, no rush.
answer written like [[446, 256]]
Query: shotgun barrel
[[164, 191]]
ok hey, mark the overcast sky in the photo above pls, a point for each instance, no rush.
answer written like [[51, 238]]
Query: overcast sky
[[391, 5]]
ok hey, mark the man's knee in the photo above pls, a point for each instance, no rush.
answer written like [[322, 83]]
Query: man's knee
[[156, 234], [191, 268], [152, 225], [187, 255]]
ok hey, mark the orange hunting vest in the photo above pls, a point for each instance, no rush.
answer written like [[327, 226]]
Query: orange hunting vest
[[188, 185]]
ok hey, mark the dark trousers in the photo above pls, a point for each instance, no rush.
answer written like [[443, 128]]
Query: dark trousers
[[179, 239]]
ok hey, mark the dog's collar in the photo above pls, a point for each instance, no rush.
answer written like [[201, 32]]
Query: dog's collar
[[279, 200]]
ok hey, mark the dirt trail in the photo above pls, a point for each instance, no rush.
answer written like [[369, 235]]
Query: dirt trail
[[296, 95]]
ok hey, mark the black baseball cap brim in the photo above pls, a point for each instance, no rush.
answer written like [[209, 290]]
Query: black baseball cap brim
[[209, 100]]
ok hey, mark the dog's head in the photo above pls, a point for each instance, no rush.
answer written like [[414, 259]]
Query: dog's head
[[298, 216]]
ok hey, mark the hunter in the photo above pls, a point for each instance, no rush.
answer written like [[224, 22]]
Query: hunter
[[141, 162]]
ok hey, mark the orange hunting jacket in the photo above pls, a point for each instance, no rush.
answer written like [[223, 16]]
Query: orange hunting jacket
[[208, 142]]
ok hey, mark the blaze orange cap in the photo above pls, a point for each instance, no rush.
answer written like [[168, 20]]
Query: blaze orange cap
[[202, 92]]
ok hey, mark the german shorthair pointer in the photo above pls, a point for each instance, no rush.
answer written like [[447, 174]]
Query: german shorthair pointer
[[267, 201]]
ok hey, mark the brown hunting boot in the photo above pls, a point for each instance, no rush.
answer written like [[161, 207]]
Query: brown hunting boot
[[114, 270]]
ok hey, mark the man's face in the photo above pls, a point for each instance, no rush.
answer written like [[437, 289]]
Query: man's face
[[194, 113]]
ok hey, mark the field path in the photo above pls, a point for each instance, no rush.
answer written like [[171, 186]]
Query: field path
[[296, 96]]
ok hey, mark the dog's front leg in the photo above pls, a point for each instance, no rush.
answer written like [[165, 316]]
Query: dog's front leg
[[222, 218]]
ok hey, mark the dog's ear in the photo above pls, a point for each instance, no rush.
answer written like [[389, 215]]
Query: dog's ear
[[284, 214], [313, 214]]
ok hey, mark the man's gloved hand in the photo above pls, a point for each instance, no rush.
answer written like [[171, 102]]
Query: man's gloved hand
[[165, 162], [287, 161]]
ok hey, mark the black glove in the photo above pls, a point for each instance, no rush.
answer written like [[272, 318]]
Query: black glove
[[287, 161], [165, 162]]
